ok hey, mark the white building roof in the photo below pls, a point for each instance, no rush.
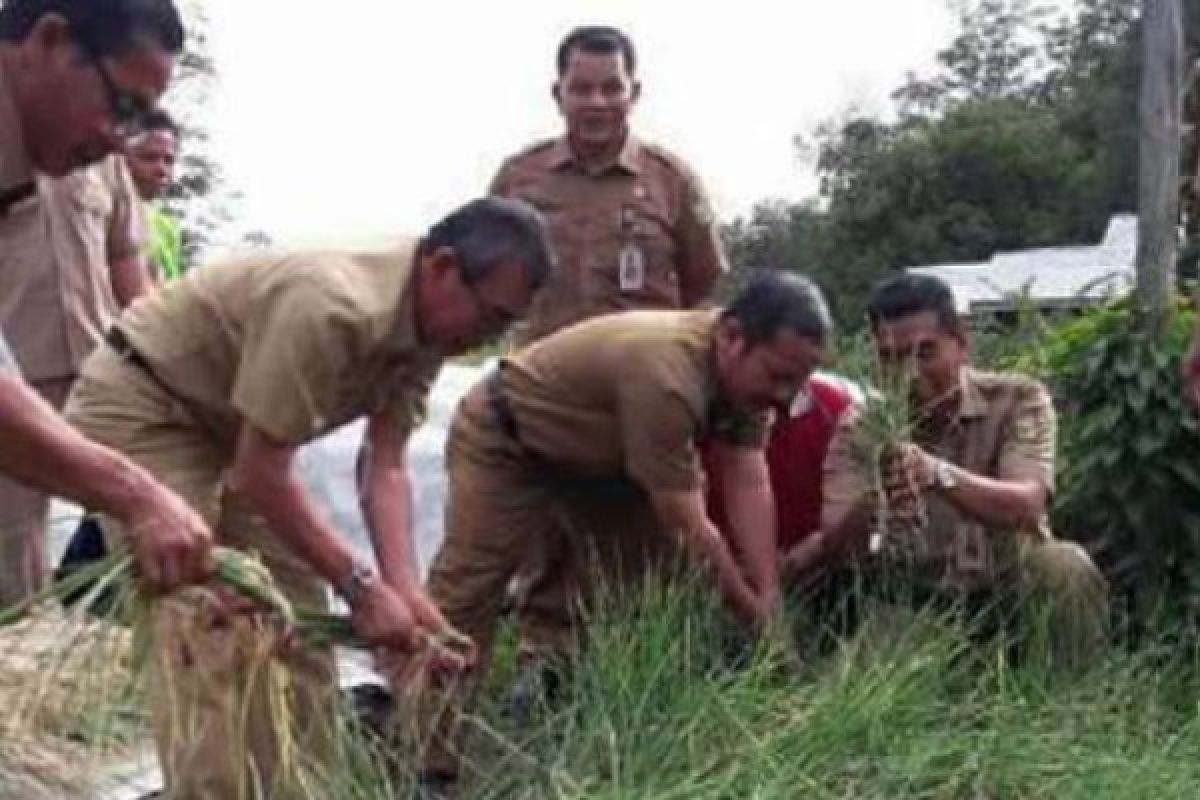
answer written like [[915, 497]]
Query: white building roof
[[1051, 275]]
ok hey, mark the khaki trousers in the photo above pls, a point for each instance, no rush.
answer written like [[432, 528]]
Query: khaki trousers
[[215, 711], [609, 537], [23, 521], [1053, 605], [498, 506]]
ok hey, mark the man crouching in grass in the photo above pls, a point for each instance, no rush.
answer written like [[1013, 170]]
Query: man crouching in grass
[[602, 422], [978, 474]]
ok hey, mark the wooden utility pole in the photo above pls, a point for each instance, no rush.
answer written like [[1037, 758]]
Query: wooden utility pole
[[1160, 110]]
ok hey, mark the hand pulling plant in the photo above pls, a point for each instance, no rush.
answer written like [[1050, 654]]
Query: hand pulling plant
[[884, 427], [86, 667]]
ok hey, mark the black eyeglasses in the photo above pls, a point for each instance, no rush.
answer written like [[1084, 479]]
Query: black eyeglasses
[[127, 109]]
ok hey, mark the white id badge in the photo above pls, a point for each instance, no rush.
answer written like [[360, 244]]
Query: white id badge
[[631, 268]]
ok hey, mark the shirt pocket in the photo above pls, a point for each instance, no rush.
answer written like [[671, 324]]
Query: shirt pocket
[[646, 231]]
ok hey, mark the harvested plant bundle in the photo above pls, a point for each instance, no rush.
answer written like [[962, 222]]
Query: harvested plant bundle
[[884, 426], [81, 667]]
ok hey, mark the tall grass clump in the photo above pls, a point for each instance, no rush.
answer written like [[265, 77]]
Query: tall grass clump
[[667, 702]]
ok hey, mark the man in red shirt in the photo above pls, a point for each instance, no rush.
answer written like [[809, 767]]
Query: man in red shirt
[[796, 451]]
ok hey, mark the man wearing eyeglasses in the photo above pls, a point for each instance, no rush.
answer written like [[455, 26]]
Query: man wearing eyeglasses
[[75, 76], [216, 380], [72, 261]]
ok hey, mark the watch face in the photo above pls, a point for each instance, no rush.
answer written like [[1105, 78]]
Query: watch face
[[945, 475]]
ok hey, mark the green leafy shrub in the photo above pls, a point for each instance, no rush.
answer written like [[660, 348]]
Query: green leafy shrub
[[1129, 472]]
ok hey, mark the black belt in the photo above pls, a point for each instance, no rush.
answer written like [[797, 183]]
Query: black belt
[[120, 344], [501, 410], [561, 477]]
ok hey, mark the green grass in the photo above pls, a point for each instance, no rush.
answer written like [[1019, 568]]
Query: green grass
[[656, 711]]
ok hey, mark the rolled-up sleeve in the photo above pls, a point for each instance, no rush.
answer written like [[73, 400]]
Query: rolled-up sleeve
[[1027, 452]]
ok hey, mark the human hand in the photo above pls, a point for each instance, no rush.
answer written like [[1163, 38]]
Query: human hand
[[171, 542], [382, 618]]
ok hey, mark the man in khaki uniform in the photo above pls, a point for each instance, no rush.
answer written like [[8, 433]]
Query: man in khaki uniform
[[632, 228], [215, 381], [982, 458], [76, 76], [72, 261], [613, 411]]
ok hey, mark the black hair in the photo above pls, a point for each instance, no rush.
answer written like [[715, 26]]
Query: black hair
[[774, 300], [907, 293], [101, 27], [156, 119], [598, 39], [492, 231]]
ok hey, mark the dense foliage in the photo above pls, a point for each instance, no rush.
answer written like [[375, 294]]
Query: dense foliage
[[1025, 136]]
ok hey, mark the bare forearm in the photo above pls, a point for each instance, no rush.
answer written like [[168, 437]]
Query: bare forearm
[[705, 546], [43, 451], [1007, 504], [751, 513], [292, 516], [130, 279], [387, 507]]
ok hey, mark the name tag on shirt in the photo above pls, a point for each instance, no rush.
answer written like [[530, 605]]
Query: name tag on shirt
[[631, 268]]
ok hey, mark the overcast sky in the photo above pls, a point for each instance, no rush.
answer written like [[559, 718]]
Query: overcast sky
[[364, 117]]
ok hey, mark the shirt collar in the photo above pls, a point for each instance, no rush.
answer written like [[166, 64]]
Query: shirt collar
[[972, 403], [628, 159]]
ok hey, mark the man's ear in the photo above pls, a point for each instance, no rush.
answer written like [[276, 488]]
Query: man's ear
[[730, 335], [441, 264], [51, 32]]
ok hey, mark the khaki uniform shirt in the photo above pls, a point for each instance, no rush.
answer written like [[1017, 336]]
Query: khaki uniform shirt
[[56, 293], [15, 171], [631, 236], [629, 394], [296, 345], [1005, 429]]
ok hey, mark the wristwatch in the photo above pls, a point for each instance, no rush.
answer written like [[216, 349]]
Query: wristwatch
[[943, 475], [351, 587]]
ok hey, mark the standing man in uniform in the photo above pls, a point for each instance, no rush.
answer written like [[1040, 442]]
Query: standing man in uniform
[[76, 77], [151, 156], [982, 457], [72, 261], [632, 228], [613, 412], [213, 384]]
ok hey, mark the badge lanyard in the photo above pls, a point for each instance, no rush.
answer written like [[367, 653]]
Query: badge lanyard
[[631, 262]]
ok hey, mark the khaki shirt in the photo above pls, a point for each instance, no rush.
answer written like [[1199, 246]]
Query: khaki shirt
[[56, 293], [1005, 429], [15, 171], [628, 394], [646, 217], [15, 167], [296, 345]]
